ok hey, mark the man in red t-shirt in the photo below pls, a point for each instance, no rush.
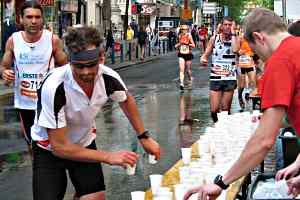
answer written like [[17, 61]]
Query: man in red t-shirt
[[268, 37]]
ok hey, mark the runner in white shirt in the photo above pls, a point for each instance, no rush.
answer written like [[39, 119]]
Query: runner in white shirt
[[223, 47], [33, 52], [64, 131]]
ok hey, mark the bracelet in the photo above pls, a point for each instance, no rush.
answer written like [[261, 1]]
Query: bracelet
[[144, 135], [233, 34]]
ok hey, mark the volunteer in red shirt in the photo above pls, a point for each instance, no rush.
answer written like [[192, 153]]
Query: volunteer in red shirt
[[268, 37]]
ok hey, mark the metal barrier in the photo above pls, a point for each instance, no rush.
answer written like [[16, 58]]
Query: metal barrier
[[125, 51]]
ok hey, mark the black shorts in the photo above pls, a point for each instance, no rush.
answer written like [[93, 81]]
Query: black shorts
[[26, 120], [186, 57], [224, 86], [50, 177], [247, 70]]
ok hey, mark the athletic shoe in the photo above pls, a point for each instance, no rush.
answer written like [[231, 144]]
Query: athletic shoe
[[181, 87]]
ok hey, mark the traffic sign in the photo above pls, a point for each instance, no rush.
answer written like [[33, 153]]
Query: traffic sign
[[186, 14], [209, 7]]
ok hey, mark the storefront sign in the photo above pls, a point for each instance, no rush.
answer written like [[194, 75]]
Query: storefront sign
[[46, 2], [146, 1], [69, 6], [148, 9], [186, 14]]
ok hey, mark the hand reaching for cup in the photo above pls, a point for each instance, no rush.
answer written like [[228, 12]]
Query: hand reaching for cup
[[288, 172], [122, 158]]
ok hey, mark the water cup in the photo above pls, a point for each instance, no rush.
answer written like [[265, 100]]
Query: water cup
[[186, 154], [163, 193], [180, 190], [203, 147], [152, 159], [155, 181], [184, 173], [137, 195], [130, 170], [282, 187]]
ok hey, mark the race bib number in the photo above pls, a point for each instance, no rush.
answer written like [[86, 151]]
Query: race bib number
[[224, 69], [29, 83], [245, 61], [184, 49]]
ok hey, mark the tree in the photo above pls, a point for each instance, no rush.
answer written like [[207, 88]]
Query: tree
[[237, 7]]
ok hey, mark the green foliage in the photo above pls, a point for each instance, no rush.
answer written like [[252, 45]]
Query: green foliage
[[236, 8]]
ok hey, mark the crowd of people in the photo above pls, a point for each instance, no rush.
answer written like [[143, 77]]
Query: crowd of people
[[58, 95]]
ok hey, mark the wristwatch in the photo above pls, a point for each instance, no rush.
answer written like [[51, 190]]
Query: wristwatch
[[218, 181], [144, 135]]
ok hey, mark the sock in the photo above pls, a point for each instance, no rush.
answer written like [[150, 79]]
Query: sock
[[214, 116], [240, 93]]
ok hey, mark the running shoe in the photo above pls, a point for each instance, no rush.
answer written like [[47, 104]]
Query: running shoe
[[181, 87]]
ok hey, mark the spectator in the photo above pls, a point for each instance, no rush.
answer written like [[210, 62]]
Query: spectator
[[109, 40], [142, 40], [129, 37]]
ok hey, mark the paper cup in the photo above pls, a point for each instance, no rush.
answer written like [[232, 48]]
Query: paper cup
[[152, 159], [137, 195], [155, 182], [184, 173], [203, 147], [180, 190], [130, 170], [186, 154]]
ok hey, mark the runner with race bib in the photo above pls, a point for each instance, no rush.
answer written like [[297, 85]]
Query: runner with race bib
[[33, 53], [184, 46], [222, 46]]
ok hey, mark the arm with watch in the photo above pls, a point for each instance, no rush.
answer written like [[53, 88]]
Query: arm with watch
[[130, 109], [253, 154], [235, 39]]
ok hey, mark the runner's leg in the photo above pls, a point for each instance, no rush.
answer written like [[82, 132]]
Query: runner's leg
[[189, 69], [26, 121], [227, 100], [241, 83], [215, 99], [181, 71]]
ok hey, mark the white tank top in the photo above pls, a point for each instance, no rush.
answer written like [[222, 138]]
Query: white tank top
[[223, 61], [32, 61]]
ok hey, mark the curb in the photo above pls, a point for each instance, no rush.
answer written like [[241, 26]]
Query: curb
[[147, 60]]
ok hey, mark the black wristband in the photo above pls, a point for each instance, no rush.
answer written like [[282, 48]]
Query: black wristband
[[144, 135], [233, 34]]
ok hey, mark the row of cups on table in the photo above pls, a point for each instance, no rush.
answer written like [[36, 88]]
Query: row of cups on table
[[163, 193], [214, 157]]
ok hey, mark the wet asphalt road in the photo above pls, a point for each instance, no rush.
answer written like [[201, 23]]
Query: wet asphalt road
[[155, 86]]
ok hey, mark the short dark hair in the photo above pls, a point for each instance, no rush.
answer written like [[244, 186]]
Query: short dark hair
[[78, 39], [227, 18], [262, 20], [294, 28], [31, 4]]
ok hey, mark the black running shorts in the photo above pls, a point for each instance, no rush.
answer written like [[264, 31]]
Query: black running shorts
[[247, 70], [26, 120], [224, 86], [186, 57], [50, 175]]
